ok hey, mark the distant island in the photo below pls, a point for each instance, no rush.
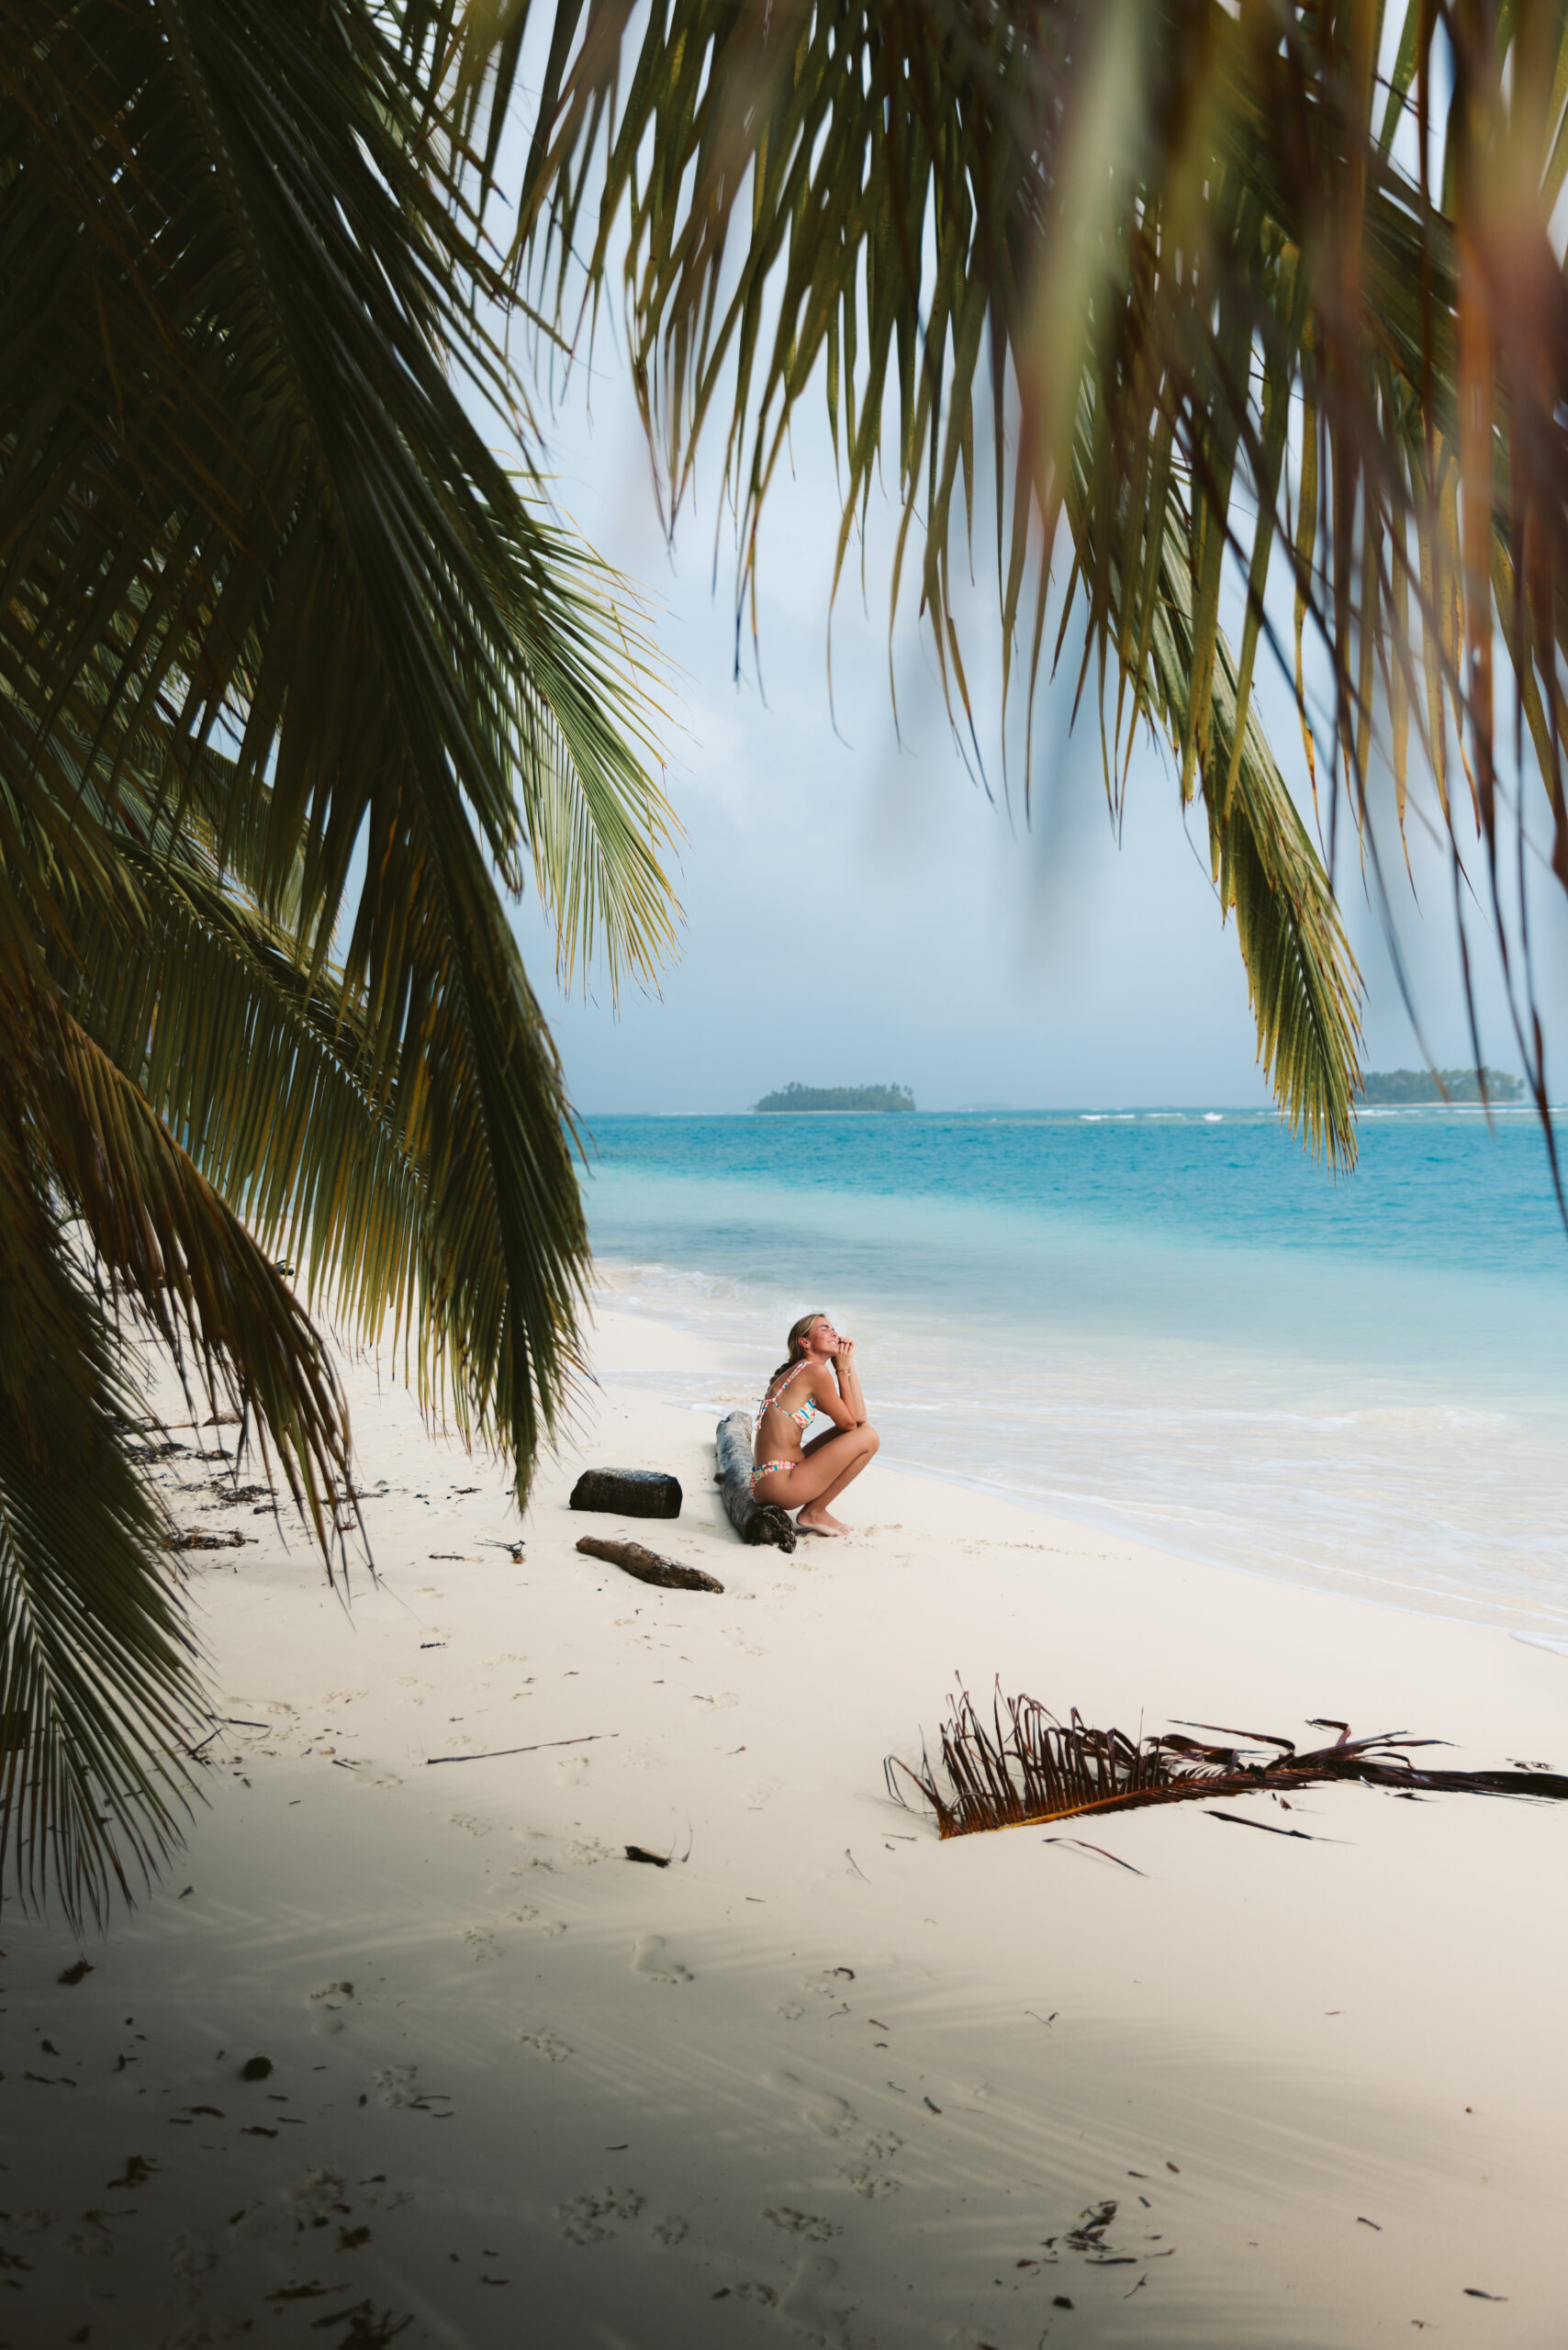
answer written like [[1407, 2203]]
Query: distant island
[[1395, 1087], [838, 1097]]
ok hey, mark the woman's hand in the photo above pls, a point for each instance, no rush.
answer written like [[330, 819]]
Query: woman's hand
[[848, 1379]]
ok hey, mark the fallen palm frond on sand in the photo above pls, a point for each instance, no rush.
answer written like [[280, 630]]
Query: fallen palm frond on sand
[[1025, 1766]]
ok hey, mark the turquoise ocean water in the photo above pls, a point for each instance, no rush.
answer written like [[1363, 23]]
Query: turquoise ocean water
[[1166, 1321]]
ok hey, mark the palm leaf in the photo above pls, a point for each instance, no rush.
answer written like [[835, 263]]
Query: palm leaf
[[97, 1687], [1024, 1768], [289, 655], [326, 566], [1187, 220]]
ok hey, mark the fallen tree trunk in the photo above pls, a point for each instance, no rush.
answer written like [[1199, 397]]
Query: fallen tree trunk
[[647, 1566], [753, 1520]]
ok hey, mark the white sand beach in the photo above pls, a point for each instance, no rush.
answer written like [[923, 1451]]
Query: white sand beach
[[823, 2078]]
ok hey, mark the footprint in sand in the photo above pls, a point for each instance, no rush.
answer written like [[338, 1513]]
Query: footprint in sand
[[397, 2085], [326, 2004], [817, 2107], [387, 2199], [571, 1770], [586, 2217], [871, 2184], [589, 1852], [471, 1822], [482, 1946], [803, 2223], [671, 2232], [790, 2010], [811, 2302], [652, 1958], [191, 2255], [320, 2189], [546, 2044]]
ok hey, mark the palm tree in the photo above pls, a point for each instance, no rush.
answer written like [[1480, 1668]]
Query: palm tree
[[298, 682], [1241, 292]]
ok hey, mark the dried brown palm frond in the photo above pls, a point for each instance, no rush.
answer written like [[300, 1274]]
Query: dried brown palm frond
[[1253, 299], [1025, 1766]]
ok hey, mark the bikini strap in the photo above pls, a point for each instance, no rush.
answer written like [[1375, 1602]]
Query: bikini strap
[[772, 1395]]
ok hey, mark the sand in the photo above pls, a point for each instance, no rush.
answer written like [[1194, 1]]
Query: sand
[[822, 2078]]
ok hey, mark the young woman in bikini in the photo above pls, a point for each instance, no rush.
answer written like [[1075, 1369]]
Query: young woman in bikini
[[817, 1375]]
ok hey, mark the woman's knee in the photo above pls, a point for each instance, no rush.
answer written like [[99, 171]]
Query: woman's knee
[[871, 1441]]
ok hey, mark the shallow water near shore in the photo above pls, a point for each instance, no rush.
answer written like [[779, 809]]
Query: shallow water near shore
[[1171, 1323]]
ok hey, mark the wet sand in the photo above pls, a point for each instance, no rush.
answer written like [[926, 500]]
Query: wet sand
[[822, 2078]]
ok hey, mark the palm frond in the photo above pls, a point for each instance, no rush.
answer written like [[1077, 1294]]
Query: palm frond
[[1024, 1767], [326, 571], [97, 1685], [1316, 330], [289, 655], [164, 1243]]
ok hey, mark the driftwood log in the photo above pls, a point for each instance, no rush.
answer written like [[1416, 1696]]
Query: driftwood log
[[647, 1566], [753, 1520], [628, 1493]]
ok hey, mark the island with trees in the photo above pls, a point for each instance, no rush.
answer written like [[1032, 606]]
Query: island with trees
[[1401, 1088], [837, 1097]]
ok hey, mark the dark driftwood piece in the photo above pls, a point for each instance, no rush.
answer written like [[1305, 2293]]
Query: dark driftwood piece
[[1025, 1766], [628, 1493], [754, 1521], [647, 1566]]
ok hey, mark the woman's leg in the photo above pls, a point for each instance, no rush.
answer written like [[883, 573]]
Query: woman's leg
[[817, 1512], [830, 1464]]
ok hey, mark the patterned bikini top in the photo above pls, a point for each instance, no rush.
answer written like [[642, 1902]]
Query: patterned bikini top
[[803, 1418]]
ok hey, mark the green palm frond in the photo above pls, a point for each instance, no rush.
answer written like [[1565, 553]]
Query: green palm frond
[[300, 683], [1315, 317], [325, 565], [97, 1687]]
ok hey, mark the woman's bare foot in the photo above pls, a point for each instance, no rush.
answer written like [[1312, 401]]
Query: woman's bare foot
[[817, 1520]]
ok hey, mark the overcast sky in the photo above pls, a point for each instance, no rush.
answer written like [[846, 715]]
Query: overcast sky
[[859, 911]]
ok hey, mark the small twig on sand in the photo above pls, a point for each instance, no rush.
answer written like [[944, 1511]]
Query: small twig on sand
[[1236, 1820], [494, 1752], [1105, 1855]]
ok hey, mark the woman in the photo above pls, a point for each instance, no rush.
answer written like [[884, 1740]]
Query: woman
[[816, 1375]]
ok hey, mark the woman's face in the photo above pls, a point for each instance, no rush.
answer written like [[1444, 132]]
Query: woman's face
[[821, 1338]]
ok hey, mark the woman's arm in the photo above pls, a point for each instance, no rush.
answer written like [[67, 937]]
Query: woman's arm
[[849, 1384], [825, 1390]]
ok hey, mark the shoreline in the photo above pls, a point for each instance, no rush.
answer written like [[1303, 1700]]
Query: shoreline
[[822, 2078], [1496, 1612], [1066, 1509]]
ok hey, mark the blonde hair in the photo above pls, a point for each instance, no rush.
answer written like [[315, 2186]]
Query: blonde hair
[[799, 1333]]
